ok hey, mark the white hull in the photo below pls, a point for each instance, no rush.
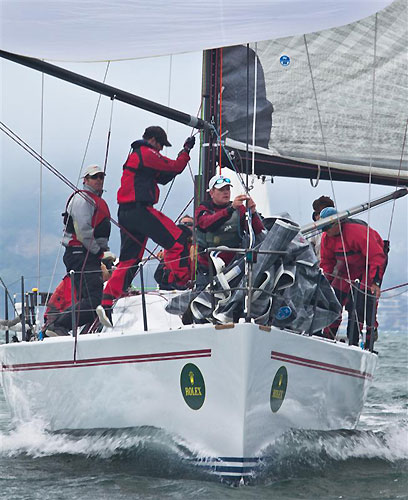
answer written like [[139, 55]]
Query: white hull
[[128, 380]]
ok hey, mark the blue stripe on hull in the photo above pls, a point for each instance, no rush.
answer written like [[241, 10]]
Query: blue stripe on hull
[[220, 466]]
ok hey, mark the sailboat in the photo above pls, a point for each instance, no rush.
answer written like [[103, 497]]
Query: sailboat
[[229, 389]]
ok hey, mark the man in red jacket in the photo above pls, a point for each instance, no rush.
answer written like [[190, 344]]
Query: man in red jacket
[[143, 170], [221, 222], [363, 250]]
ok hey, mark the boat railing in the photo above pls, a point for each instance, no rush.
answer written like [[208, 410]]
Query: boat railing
[[32, 299]]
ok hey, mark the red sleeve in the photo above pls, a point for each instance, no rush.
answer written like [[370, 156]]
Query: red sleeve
[[376, 255], [257, 223], [207, 220], [327, 257], [154, 160]]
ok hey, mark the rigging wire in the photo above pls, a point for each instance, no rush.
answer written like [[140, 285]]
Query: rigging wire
[[220, 106], [398, 178], [8, 293], [370, 173], [92, 126], [49, 293], [328, 167], [105, 163], [254, 109], [40, 182], [394, 287], [318, 115], [56, 172]]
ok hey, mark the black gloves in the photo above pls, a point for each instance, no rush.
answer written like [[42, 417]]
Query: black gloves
[[189, 144]]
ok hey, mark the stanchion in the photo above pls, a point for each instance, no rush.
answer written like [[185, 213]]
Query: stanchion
[[23, 322], [73, 311], [143, 298], [6, 313]]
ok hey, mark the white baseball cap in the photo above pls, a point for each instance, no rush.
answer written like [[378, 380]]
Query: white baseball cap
[[92, 170], [219, 181]]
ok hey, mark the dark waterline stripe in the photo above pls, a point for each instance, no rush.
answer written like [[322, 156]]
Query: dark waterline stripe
[[140, 358], [320, 365]]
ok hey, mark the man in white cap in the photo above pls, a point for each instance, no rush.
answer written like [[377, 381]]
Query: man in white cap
[[221, 222], [86, 234]]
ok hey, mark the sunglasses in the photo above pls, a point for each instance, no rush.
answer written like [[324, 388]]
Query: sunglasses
[[221, 181], [189, 224], [96, 176], [326, 228]]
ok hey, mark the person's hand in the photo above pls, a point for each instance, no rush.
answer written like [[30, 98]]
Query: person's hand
[[251, 205], [189, 144], [376, 290], [239, 200], [109, 256], [193, 253], [105, 272]]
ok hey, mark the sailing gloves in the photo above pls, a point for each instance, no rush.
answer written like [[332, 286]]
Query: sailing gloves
[[189, 144]]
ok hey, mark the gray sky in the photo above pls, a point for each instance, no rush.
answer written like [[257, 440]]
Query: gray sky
[[68, 114]]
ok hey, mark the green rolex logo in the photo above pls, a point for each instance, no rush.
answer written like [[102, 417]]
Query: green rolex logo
[[278, 389], [192, 386]]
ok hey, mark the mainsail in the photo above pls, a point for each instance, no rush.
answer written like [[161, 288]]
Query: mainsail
[[339, 97]]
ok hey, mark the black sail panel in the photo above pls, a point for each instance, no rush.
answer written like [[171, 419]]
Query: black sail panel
[[339, 96]]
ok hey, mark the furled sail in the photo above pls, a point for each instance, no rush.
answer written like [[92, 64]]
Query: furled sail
[[87, 30], [338, 96]]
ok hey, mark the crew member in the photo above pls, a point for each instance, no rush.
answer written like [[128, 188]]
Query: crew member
[[86, 235], [220, 222], [348, 262], [143, 170], [318, 205], [164, 276]]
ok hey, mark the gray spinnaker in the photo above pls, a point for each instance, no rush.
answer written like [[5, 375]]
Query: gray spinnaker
[[289, 289]]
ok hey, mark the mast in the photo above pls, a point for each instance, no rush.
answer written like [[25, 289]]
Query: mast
[[210, 109], [107, 90]]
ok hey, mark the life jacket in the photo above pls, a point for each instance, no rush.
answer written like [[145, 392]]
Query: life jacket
[[143, 170], [346, 248], [228, 234], [100, 220], [60, 300], [138, 180]]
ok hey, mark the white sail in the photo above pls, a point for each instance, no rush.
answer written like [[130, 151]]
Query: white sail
[[87, 30]]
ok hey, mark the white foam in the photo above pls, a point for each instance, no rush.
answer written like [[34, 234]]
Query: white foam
[[32, 439], [390, 445]]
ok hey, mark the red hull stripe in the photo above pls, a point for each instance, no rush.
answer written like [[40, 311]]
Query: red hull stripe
[[140, 358], [319, 365]]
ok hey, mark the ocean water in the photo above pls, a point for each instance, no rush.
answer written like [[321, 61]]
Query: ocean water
[[370, 462]]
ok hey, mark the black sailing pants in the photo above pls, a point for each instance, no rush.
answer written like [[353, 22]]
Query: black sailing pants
[[88, 286]]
